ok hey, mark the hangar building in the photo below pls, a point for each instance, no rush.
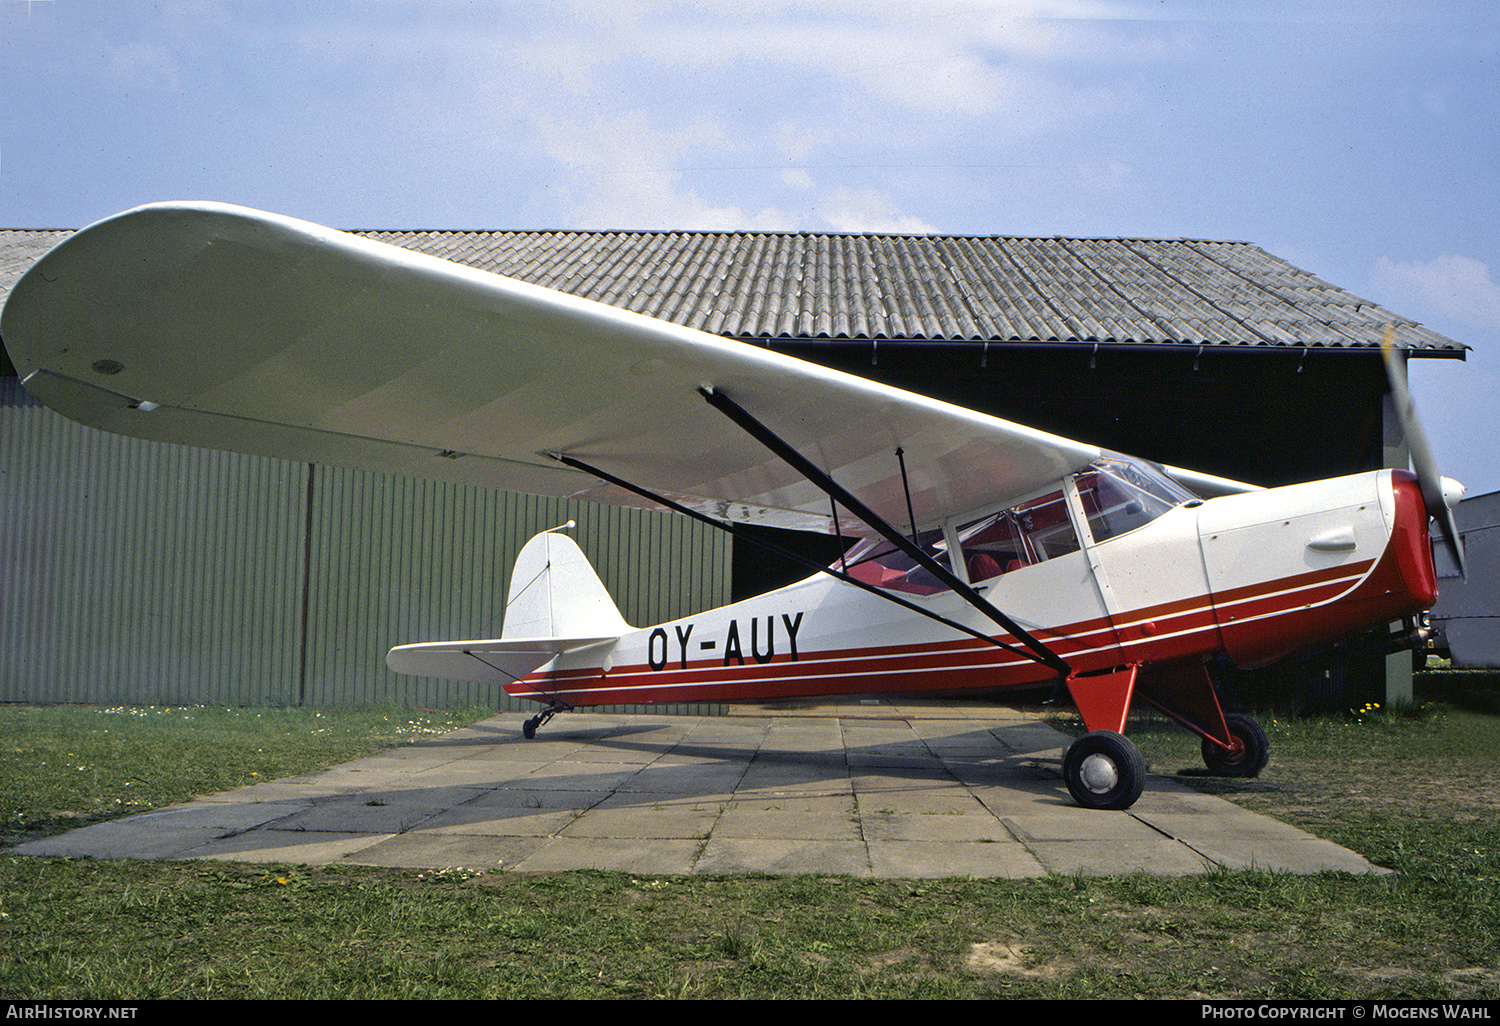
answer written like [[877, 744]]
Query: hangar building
[[133, 571], [1467, 614]]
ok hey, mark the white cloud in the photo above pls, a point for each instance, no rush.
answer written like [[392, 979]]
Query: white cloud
[[622, 172], [787, 96], [797, 178], [627, 174], [868, 210], [957, 58], [1456, 287]]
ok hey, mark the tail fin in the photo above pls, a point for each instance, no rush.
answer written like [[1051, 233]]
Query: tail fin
[[557, 604], [555, 593]]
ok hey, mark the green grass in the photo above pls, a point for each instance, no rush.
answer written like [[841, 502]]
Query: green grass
[[1408, 788], [64, 766]]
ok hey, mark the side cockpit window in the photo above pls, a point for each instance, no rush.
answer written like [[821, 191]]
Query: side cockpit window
[[878, 562], [1018, 537]]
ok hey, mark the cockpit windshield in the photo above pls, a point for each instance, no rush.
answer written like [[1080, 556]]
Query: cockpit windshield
[[1121, 494]]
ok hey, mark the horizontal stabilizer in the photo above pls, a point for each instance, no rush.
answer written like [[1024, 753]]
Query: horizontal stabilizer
[[484, 662]]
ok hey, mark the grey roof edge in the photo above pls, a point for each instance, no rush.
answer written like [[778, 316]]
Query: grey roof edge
[[1457, 352], [762, 234]]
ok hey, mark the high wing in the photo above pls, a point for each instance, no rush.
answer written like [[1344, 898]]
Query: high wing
[[233, 329], [1208, 485]]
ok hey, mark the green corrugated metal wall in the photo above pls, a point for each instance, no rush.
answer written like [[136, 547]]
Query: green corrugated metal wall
[[132, 571]]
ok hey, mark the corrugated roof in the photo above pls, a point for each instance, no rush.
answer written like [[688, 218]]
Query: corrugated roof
[[949, 288], [20, 249], [938, 288]]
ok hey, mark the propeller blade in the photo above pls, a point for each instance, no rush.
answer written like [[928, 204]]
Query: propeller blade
[[1436, 489]]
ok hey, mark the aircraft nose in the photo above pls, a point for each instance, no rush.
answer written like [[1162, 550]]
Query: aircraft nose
[[1411, 539]]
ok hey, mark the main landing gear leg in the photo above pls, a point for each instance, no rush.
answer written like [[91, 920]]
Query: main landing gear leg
[[528, 729], [1233, 746], [1104, 770]]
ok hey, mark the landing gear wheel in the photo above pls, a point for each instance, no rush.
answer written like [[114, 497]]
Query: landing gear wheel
[[1251, 748], [528, 729], [1103, 770]]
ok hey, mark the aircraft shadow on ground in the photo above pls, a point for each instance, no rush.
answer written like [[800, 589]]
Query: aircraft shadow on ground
[[708, 774]]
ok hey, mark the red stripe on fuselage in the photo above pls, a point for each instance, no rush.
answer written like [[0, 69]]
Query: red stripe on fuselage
[[1177, 629]]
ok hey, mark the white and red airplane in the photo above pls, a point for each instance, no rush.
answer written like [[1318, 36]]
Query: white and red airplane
[[985, 555]]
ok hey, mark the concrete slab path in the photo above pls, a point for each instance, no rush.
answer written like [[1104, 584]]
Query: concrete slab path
[[869, 791]]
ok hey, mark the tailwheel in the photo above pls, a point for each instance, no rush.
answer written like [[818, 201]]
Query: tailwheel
[[1104, 770], [1248, 751], [528, 729]]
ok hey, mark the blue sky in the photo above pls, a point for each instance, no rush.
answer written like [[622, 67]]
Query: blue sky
[[1360, 141]]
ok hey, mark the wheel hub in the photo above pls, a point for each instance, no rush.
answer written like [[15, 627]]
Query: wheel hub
[[1099, 774]]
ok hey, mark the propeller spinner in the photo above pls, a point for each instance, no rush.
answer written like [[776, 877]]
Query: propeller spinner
[[1440, 494]]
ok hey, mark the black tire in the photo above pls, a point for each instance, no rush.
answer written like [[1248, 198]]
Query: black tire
[[1253, 749], [528, 729], [1104, 770]]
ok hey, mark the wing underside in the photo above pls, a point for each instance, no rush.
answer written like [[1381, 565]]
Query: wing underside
[[232, 329]]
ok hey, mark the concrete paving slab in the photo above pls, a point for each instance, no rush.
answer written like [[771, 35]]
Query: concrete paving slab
[[164, 833], [694, 777], [938, 828], [447, 851], [784, 856], [609, 776], [122, 839], [746, 823], [676, 857], [510, 821], [1090, 858], [1258, 844], [358, 817], [931, 793], [1044, 824], [667, 821], [300, 847], [858, 788], [535, 796], [225, 818], [928, 859], [290, 791]]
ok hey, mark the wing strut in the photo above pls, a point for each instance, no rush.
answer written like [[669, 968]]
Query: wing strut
[[727, 406], [795, 557]]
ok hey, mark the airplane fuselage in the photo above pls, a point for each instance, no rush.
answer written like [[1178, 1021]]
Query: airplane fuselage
[[1253, 577]]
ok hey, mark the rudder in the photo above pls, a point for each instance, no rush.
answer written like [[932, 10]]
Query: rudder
[[555, 593]]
